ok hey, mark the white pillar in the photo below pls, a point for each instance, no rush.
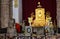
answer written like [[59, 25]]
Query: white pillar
[[17, 11], [20, 11]]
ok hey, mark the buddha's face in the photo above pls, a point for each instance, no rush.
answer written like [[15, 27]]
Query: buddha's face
[[39, 14]]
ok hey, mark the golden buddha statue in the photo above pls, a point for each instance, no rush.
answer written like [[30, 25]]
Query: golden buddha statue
[[39, 16]]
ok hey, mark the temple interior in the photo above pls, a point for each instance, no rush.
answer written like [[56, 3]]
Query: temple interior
[[29, 19]]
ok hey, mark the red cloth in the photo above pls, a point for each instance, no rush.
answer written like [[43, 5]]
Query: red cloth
[[18, 27]]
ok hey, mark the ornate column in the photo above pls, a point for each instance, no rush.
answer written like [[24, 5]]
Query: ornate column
[[10, 9], [4, 13]]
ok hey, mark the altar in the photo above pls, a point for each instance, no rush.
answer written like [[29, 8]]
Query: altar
[[42, 18], [42, 23]]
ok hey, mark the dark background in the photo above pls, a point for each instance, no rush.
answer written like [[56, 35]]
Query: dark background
[[30, 6]]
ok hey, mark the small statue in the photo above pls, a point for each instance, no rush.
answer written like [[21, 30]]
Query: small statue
[[48, 19], [32, 15], [30, 19]]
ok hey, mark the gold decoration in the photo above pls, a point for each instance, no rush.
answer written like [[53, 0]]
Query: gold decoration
[[39, 4], [16, 3], [30, 20], [32, 15], [48, 19], [47, 14]]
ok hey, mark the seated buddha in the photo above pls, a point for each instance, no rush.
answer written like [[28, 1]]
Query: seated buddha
[[39, 17]]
